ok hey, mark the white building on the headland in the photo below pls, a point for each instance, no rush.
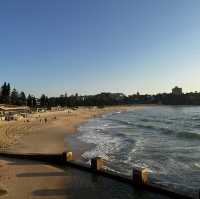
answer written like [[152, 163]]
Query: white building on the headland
[[177, 91]]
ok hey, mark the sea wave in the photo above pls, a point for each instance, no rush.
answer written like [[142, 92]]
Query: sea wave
[[164, 141], [188, 135], [197, 165], [129, 123]]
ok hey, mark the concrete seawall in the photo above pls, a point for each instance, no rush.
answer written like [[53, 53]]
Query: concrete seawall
[[63, 160]]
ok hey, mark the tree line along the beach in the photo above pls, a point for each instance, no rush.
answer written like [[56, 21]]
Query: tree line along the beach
[[12, 96]]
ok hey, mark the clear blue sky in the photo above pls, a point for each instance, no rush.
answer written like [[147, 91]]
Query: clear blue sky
[[88, 46]]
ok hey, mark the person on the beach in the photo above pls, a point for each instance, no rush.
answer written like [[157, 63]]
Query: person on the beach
[[45, 120]]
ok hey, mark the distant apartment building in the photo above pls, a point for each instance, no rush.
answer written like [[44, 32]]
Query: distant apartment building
[[177, 91]]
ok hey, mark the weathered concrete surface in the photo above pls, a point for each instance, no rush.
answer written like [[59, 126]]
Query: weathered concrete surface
[[24, 179]]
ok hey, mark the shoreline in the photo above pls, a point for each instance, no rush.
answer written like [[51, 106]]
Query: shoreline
[[15, 135], [34, 137], [49, 139]]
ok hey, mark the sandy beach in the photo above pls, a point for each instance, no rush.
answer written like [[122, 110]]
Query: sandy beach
[[36, 136], [66, 121], [29, 179]]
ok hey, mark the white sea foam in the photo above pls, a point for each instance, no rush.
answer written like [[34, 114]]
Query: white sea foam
[[110, 169], [197, 165], [94, 153], [164, 154], [105, 144]]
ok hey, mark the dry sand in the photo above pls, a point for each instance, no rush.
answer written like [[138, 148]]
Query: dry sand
[[66, 121]]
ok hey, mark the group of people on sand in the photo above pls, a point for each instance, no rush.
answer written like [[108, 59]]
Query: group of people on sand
[[43, 120]]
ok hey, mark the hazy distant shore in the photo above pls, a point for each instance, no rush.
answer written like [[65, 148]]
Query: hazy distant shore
[[63, 122]]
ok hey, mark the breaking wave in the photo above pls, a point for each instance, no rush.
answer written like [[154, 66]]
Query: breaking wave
[[162, 139]]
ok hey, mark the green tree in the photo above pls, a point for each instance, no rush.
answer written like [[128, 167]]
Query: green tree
[[29, 101], [34, 103], [14, 98], [22, 98], [43, 101], [5, 93]]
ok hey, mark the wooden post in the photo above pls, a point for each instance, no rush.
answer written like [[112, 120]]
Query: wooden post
[[67, 156], [96, 163], [140, 176]]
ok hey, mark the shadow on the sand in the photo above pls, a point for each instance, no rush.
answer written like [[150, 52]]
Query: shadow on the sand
[[21, 163], [49, 192], [3, 192], [41, 174], [73, 192]]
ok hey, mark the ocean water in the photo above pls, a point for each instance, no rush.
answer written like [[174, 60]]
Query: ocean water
[[164, 139]]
